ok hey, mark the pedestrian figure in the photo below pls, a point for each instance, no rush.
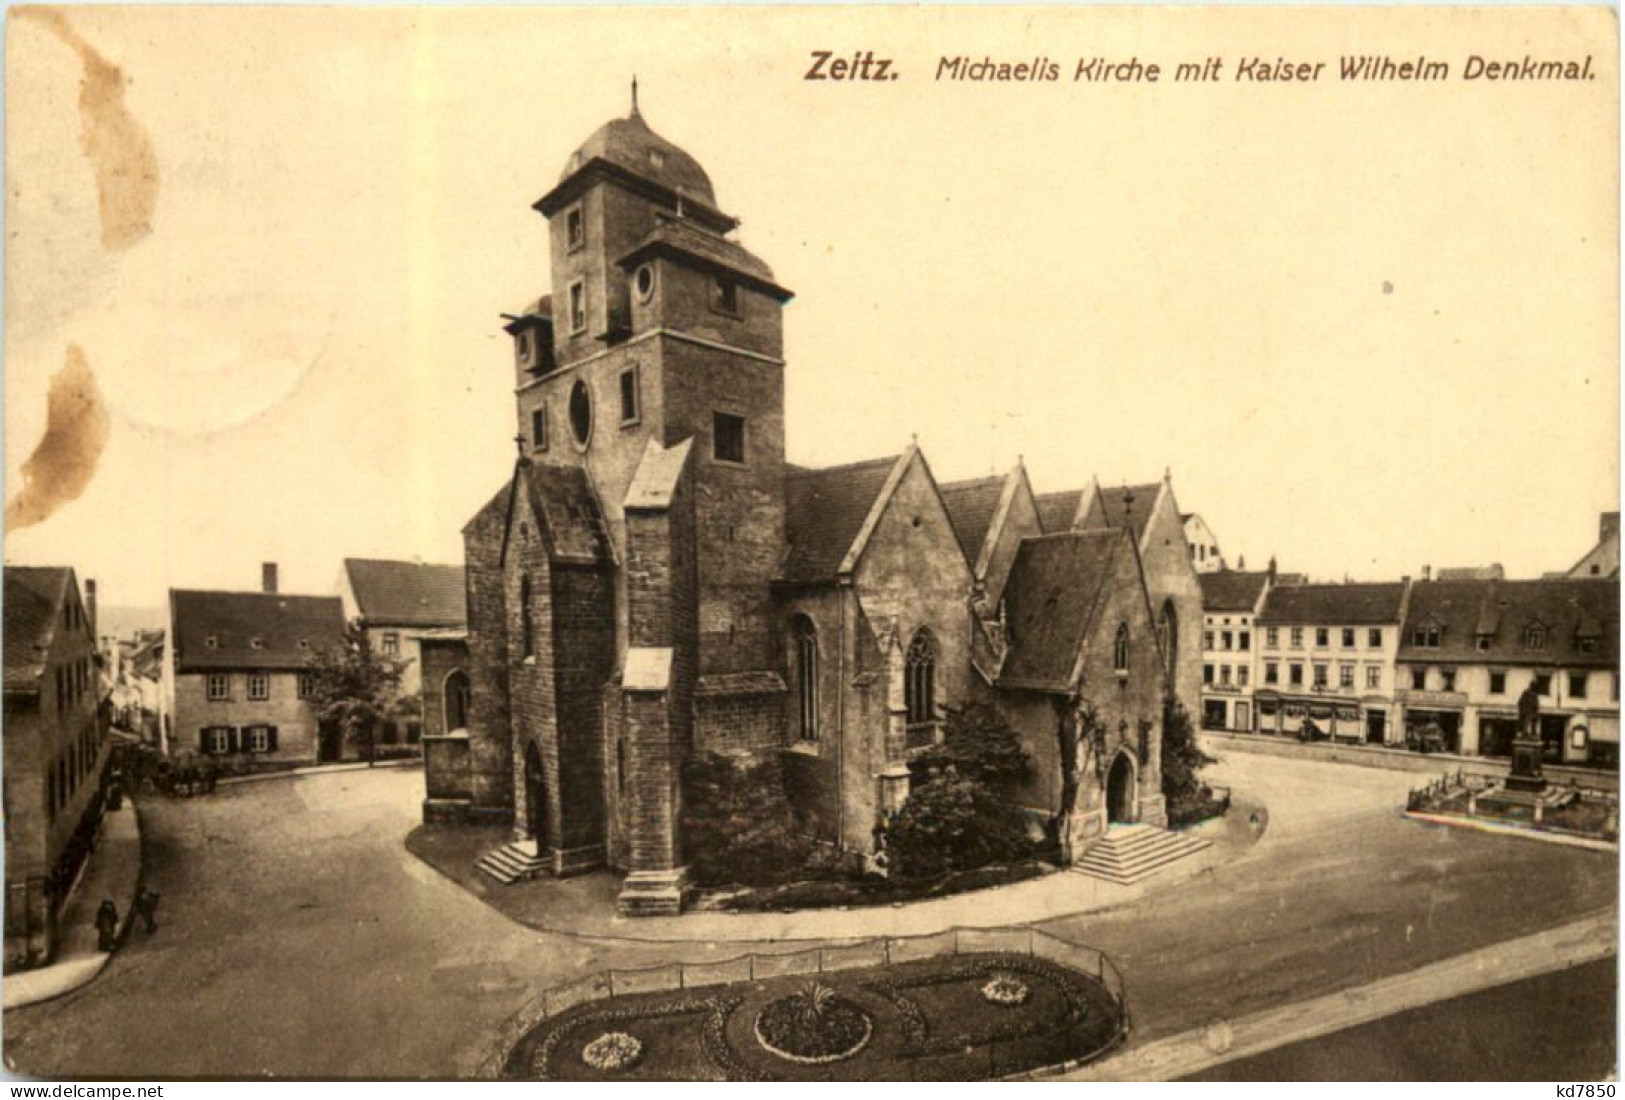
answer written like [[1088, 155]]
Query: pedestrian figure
[[146, 907], [106, 925]]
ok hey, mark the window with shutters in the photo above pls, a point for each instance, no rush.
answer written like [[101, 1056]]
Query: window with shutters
[[259, 739], [217, 740]]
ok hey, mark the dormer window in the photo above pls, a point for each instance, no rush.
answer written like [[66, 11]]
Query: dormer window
[[1484, 642], [211, 642], [256, 643], [1534, 636], [725, 296], [1426, 636], [657, 158], [575, 229]]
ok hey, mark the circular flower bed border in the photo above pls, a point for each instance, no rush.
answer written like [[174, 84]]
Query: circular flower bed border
[[612, 1051], [837, 1005]]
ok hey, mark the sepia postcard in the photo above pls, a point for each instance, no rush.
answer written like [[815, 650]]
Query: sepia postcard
[[605, 544]]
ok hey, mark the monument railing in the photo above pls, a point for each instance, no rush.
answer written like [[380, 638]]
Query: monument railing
[[616, 982]]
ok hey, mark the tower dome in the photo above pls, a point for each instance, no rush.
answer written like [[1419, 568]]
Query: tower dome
[[629, 144]]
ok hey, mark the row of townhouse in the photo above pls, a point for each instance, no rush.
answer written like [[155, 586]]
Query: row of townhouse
[[1439, 663]]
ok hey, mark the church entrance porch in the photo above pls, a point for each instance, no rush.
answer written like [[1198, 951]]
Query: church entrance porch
[[1120, 805], [535, 796]]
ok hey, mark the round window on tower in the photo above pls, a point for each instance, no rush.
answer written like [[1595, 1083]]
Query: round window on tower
[[581, 412], [644, 282]]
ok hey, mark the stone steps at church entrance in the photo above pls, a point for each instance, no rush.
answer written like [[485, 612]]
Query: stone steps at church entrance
[[1128, 854], [513, 862]]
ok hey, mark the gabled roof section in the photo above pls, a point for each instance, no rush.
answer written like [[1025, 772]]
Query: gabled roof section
[[407, 593], [1232, 589], [971, 507], [567, 512], [1113, 513], [1334, 604], [34, 597], [691, 244], [658, 473], [1058, 511], [252, 630], [829, 513], [1052, 599]]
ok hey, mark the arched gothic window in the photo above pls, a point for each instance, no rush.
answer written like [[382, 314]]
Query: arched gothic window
[[805, 639], [526, 627], [454, 700], [920, 679], [1168, 635], [1120, 649]]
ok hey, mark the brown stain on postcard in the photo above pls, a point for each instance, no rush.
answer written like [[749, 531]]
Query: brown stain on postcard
[[63, 463], [115, 144]]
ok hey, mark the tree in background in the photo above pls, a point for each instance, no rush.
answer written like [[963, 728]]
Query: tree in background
[[355, 687]]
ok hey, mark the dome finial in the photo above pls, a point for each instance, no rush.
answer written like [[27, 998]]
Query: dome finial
[[634, 113]]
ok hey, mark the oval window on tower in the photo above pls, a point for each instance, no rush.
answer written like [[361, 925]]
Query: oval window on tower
[[581, 412], [644, 282]]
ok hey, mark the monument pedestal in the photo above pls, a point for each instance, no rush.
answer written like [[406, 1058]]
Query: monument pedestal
[[1527, 753]]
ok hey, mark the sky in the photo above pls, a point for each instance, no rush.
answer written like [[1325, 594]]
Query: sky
[[1367, 326]]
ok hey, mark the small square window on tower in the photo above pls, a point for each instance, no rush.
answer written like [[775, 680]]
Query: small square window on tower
[[538, 429], [630, 412], [578, 306], [575, 228], [725, 296], [727, 437]]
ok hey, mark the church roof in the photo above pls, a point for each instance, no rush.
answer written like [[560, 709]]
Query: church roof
[[824, 511], [34, 597], [971, 506], [568, 509], [1231, 589], [1139, 512], [630, 144], [1052, 600], [407, 593], [261, 630], [690, 242], [1056, 511]]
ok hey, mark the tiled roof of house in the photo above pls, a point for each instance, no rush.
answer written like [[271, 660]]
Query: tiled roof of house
[[1139, 511], [1333, 604], [971, 505], [406, 593], [1051, 601], [1231, 589], [33, 600], [1056, 511], [824, 511], [229, 630], [1502, 612]]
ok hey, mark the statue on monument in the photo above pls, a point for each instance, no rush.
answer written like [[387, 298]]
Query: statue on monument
[[1529, 714]]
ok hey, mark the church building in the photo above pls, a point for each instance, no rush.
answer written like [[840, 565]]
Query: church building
[[655, 580]]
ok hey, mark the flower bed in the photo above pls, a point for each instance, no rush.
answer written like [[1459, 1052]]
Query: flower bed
[[927, 1019], [813, 1027]]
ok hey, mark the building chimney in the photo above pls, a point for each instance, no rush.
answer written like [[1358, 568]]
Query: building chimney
[[268, 578], [1608, 527], [90, 604], [1427, 572]]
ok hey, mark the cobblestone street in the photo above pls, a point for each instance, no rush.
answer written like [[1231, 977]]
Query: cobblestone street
[[298, 937]]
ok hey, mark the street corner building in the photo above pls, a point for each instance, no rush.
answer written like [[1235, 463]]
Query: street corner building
[[654, 580], [237, 686], [56, 751]]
